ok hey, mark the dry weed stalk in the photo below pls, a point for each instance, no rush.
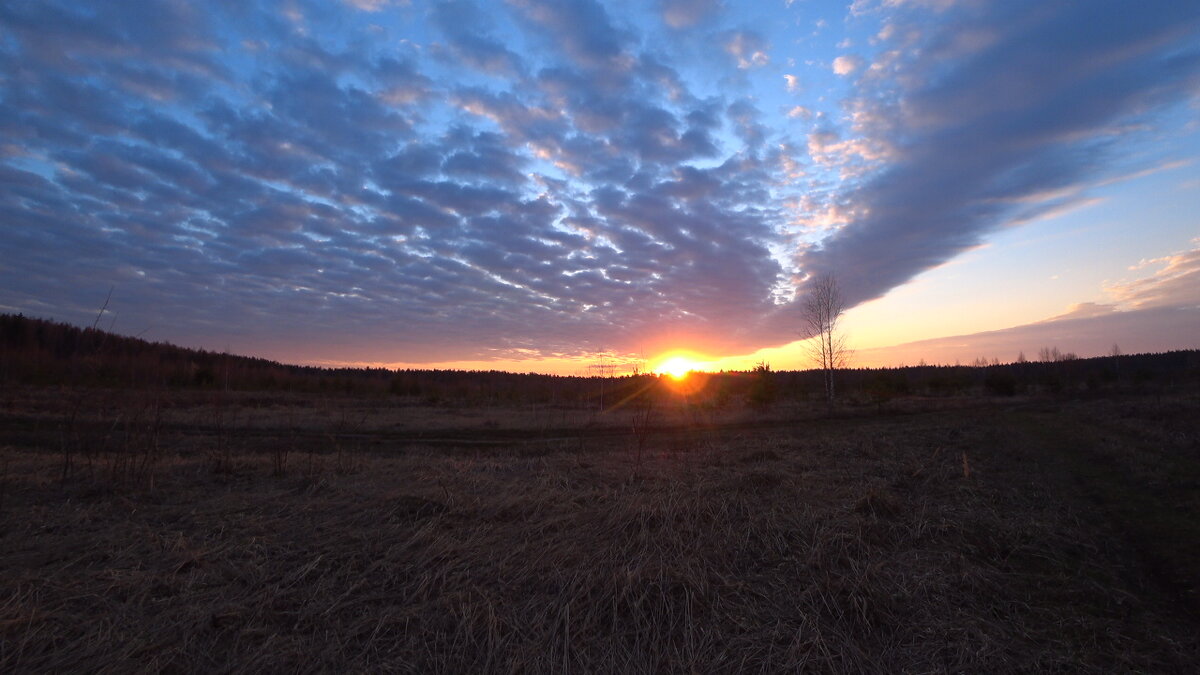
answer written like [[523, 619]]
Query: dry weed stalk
[[138, 450], [643, 420], [279, 459], [220, 456], [69, 441], [4, 466], [281, 449]]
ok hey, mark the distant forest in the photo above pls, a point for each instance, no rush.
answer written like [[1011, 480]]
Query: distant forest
[[38, 352]]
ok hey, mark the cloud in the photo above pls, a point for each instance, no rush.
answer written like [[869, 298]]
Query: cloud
[[1084, 310], [974, 132], [374, 5], [1087, 333], [748, 48], [847, 64], [581, 29], [466, 29], [800, 112], [687, 13], [1176, 283]]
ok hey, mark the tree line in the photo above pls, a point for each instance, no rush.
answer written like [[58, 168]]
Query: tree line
[[45, 353]]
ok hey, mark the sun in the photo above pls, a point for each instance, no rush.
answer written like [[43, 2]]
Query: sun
[[677, 367]]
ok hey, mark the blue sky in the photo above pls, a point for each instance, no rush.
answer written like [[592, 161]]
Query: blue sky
[[527, 184]]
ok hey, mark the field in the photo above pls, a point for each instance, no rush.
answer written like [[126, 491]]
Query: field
[[194, 532]]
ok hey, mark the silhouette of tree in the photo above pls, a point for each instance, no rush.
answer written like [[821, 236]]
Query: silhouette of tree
[[823, 310], [763, 391]]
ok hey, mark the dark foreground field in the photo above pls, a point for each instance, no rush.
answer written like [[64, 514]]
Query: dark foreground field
[[1023, 536]]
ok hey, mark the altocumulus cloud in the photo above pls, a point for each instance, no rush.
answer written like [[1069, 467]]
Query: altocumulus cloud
[[469, 180], [247, 171]]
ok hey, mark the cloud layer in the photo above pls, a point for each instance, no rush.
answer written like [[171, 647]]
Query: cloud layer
[[1005, 110], [1153, 329], [465, 180], [571, 198]]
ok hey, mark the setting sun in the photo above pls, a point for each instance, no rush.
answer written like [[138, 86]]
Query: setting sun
[[677, 367]]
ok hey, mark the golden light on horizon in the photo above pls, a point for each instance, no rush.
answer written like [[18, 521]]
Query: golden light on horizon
[[677, 367]]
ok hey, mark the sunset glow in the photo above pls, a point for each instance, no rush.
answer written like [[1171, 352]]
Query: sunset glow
[[677, 367]]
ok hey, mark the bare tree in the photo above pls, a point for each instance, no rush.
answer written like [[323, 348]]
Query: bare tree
[[823, 310]]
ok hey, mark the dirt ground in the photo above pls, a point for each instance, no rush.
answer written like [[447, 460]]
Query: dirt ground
[[300, 535]]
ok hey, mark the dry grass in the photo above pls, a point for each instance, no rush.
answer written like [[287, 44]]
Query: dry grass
[[830, 546]]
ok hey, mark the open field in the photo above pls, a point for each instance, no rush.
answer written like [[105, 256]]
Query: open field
[[302, 534]]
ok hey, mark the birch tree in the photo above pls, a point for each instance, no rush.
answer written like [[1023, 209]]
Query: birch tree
[[823, 310]]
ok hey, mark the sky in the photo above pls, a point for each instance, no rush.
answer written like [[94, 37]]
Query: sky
[[542, 185]]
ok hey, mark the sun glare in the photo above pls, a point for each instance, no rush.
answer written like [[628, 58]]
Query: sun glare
[[677, 367]]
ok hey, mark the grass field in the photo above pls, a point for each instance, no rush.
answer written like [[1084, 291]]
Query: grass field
[[295, 534]]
